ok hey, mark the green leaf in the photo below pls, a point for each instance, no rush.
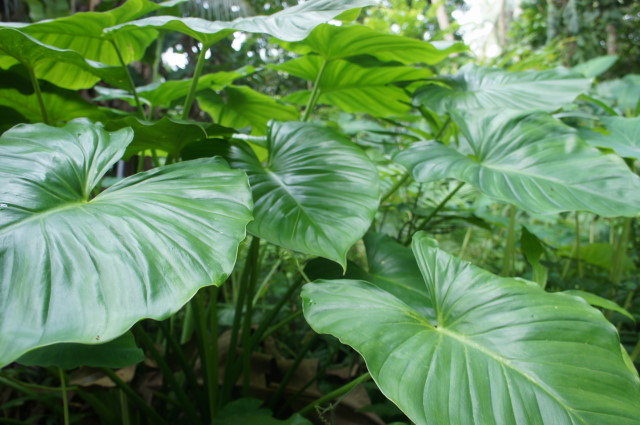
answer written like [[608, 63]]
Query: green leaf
[[599, 254], [596, 67], [83, 33], [533, 250], [247, 411], [475, 87], [598, 301], [62, 106], [166, 93], [64, 68], [353, 88], [168, 134], [121, 352], [496, 351], [81, 270], [532, 161], [623, 92], [241, 106], [317, 193], [623, 137], [291, 24], [339, 42]]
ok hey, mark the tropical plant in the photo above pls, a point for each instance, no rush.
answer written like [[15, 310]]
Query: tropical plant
[[231, 208]]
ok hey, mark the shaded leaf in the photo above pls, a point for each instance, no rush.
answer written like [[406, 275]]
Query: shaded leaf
[[496, 351], [316, 193], [623, 137], [83, 270], [532, 161], [598, 301]]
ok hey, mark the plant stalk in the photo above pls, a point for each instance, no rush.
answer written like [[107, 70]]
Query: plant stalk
[[36, 88], [395, 187], [254, 264], [315, 93], [188, 103], [336, 393], [132, 85], [509, 256], [439, 207], [65, 399]]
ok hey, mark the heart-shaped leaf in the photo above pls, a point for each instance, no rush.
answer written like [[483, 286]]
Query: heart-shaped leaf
[[291, 24], [118, 353], [474, 87], [76, 72], [317, 193], [241, 106], [623, 137], [496, 351], [354, 88], [82, 270], [532, 161], [339, 42], [84, 33]]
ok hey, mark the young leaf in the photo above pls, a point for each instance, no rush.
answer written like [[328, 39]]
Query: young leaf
[[317, 193], [77, 73], [241, 106], [83, 270], [597, 66], [333, 42], [475, 87], [353, 88], [532, 161], [291, 24], [495, 351], [120, 352]]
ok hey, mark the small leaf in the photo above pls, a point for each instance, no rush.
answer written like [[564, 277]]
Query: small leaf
[[596, 67], [532, 161], [316, 193], [598, 301]]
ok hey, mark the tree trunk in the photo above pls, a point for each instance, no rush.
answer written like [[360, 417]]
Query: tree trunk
[[443, 20], [612, 39]]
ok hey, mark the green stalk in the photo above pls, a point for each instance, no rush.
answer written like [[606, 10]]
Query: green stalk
[[65, 400], [287, 377], [20, 387], [254, 255], [336, 393], [36, 88], [204, 346], [132, 85], [139, 401], [443, 128], [439, 207], [124, 407], [187, 405], [281, 323], [315, 93], [465, 242], [509, 256], [188, 103], [578, 247], [177, 349], [214, 354], [395, 187], [620, 252]]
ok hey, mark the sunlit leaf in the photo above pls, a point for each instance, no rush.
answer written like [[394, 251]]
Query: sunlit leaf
[[532, 161], [623, 137]]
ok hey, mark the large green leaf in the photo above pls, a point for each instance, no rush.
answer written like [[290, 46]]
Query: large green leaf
[[317, 193], [623, 92], [474, 87], [497, 350], [623, 137], [163, 94], [291, 24], [532, 161], [338, 42], [62, 106], [354, 88], [120, 352], [241, 106], [82, 270], [84, 33], [45, 61]]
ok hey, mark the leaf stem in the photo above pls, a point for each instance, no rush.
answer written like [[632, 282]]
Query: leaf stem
[[188, 103], [395, 187], [315, 93], [132, 85], [36, 88], [336, 393], [439, 207], [509, 256], [65, 399]]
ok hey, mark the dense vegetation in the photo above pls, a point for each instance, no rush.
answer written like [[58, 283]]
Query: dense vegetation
[[361, 227]]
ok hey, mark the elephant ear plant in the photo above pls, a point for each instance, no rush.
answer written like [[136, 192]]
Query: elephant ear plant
[[218, 212]]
